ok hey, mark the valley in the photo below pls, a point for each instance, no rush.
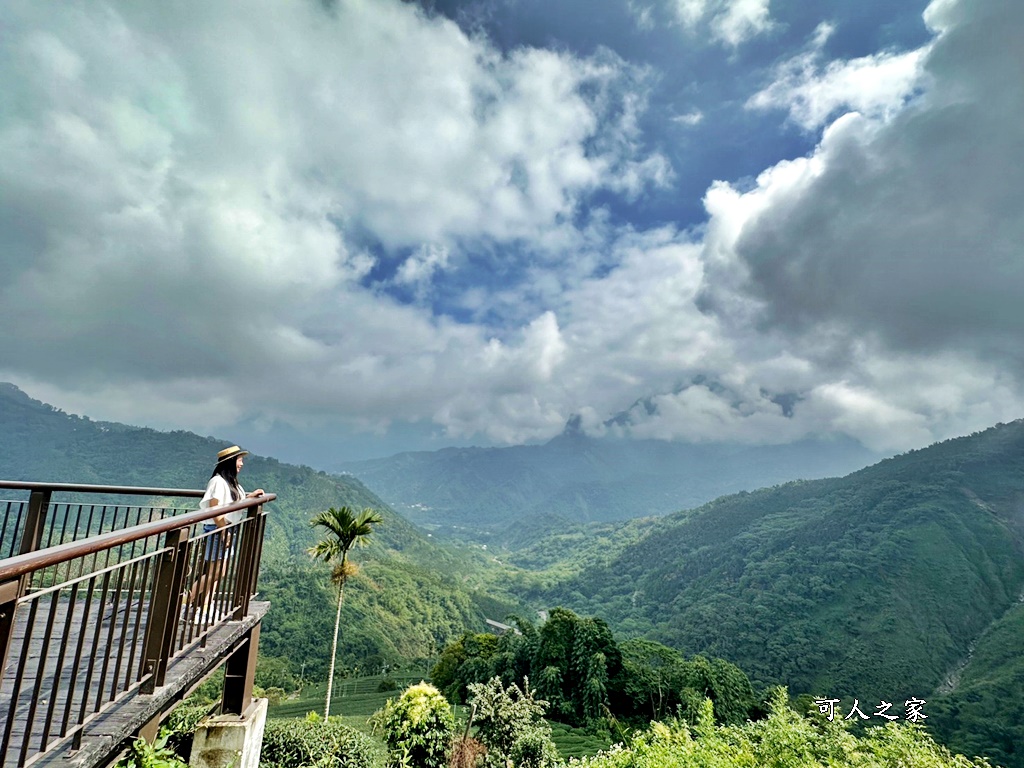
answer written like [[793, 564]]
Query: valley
[[901, 579]]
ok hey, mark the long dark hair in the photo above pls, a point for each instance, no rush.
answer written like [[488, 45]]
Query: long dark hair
[[228, 469]]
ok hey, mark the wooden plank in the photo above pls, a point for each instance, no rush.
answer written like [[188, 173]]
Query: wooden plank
[[104, 734]]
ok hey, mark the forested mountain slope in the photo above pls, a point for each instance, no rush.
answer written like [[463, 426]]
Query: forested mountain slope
[[431, 603], [981, 709], [875, 586], [479, 492]]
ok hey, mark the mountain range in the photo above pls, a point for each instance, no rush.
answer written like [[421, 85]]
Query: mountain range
[[901, 580], [478, 493], [412, 596]]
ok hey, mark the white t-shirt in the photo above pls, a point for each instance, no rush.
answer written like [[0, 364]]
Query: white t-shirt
[[219, 489]]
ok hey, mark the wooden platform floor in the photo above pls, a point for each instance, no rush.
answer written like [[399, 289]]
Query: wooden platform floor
[[109, 641]]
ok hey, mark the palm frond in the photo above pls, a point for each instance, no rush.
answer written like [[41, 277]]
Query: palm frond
[[344, 530]]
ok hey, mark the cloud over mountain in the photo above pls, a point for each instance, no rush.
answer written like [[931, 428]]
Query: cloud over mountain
[[371, 214]]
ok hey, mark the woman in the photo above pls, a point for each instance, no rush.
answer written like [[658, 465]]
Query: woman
[[223, 488]]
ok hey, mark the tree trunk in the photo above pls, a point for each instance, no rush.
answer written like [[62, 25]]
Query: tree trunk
[[334, 645]]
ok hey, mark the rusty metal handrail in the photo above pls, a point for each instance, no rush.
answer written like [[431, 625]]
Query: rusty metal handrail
[[19, 565], [19, 485], [40, 522], [93, 633]]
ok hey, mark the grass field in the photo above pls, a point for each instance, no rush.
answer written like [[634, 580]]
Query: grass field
[[577, 742], [358, 697], [354, 700]]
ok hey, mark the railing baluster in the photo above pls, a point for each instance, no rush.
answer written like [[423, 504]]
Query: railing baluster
[[194, 616], [88, 524], [64, 525], [110, 640], [3, 529], [78, 656], [40, 675], [92, 656], [69, 619], [138, 640], [50, 526], [16, 687], [122, 643], [12, 541], [74, 534]]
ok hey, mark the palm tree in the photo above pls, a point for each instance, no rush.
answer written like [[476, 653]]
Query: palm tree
[[344, 530]]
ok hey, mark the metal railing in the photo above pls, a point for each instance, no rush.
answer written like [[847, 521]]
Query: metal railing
[[112, 596]]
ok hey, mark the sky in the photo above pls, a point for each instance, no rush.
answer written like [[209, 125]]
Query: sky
[[345, 229]]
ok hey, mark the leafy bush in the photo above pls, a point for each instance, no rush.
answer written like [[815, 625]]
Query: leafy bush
[[314, 742], [182, 724], [387, 683], [783, 740], [418, 728], [510, 723], [142, 754], [584, 673]]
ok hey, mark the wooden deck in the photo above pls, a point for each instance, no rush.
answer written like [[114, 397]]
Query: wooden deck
[[58, 692]]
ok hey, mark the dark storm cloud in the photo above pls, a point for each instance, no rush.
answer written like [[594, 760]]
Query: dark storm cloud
[[914, 228]]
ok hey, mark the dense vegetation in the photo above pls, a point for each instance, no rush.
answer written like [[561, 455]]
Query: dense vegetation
[[782, 740], [586, 676], [981, 710], [901, 580], [313, 741], [875, 586], [411, 598], [418, 728]]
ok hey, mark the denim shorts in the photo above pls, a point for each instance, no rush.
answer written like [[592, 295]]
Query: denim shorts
[[216, 543]]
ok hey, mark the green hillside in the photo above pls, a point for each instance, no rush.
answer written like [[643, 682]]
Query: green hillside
[[479, 493], [411, 598], [981, 709], [901, 580], [875, 586]]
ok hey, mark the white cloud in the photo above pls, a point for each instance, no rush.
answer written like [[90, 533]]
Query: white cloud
[[742, 20], [690, 118], [194, 208], [186, 196], [643, 14], [888, 256], [422, 264], [876, 86], [732, 22]]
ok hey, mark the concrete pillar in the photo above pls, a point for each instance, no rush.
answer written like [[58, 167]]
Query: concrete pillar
[[230, 740]]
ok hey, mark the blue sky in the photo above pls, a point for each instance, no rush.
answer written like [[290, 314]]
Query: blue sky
[[348, 229]]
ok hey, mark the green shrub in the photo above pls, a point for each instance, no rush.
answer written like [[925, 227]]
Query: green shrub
[[142, 754], [510, 724], [418, 728], [314, 742], [182, 724], [783, 740]]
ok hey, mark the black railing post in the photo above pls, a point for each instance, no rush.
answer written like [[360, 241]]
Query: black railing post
[[165, 607], [239, 674], [38, 503]]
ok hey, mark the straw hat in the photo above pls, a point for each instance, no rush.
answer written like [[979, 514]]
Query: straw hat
[[230, 453]]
